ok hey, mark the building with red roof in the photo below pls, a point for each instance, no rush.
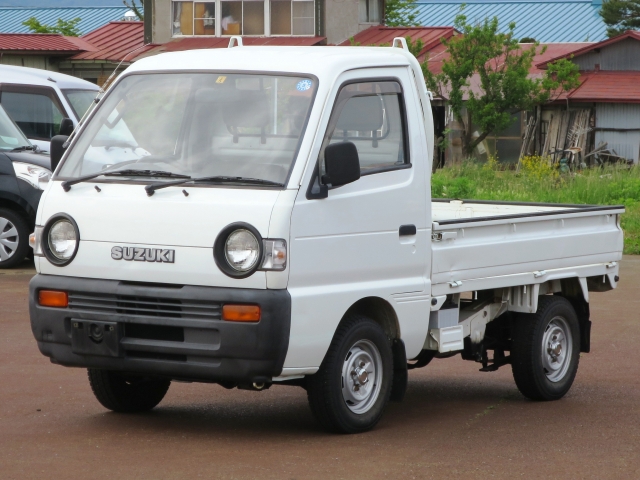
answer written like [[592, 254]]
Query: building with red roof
[[39, 50], [115, 46], [609, 92]]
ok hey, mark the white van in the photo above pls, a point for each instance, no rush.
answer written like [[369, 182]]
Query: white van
[[37, 100], [258, 216]]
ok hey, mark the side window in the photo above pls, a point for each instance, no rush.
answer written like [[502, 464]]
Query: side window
[[34, 111], [371, 116]]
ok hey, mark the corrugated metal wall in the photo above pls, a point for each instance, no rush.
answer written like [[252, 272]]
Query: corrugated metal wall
[[619, 56], [622, 116]]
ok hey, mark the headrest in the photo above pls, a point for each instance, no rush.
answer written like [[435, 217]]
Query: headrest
[[250, 110], [361, 114]]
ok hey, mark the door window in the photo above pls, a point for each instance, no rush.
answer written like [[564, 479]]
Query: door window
[[371, 116], [34, 111]]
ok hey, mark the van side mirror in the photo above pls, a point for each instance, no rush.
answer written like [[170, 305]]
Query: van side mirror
[[66, 127], [57, 149], [342, 164]]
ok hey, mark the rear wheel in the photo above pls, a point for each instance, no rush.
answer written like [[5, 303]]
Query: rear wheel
[[546, 349], [349, 392], [126, 393], [14, 238]]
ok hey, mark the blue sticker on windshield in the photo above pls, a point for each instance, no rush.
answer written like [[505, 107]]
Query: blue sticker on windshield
[[304, 85]]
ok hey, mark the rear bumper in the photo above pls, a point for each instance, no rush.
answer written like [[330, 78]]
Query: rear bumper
[[168, 330]]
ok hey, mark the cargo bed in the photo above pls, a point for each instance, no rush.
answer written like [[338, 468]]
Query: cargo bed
[[484, 244]]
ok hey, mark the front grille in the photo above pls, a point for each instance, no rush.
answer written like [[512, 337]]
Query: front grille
[[137, 306]]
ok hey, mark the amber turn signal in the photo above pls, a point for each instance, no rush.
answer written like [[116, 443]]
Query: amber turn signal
[[241, 313], [53, 298]]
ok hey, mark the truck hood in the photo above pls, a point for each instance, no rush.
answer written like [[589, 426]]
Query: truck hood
[[123, 215]]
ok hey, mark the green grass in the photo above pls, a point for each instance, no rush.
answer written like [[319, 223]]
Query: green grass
[[608, 186]]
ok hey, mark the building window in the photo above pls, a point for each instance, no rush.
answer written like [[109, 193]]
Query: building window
[[292, 17], [194, 18], [243, 17], [370, 11]]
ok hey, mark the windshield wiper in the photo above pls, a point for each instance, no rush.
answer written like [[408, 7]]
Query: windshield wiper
[[66, 185], [151, 188], [25, 147]]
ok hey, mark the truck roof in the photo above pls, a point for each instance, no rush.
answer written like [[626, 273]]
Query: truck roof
[[35, 76], [319, 61]]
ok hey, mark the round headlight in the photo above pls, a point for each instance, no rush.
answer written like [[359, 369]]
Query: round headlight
[[238, 250], [242, 250], [60, 242], [62, 239]]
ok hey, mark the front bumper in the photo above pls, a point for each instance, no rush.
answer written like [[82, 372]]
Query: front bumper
[[174, 331]]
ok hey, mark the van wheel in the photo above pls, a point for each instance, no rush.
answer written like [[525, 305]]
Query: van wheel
[[126, 393], [349, 392], [14, 238], [546, 349]]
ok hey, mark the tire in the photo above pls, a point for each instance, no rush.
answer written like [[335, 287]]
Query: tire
[[545, 349], [360, 359], [14, 238], [126, 394]]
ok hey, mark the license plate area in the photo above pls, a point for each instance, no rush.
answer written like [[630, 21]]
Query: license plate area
[[89, 337]]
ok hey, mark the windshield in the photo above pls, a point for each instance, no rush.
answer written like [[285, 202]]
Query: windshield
[[196, 124], [11, 136], [80, 100]]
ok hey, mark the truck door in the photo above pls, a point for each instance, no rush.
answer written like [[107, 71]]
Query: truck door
[[368, 238]]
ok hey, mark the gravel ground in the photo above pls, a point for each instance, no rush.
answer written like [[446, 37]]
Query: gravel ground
[[455, 421]]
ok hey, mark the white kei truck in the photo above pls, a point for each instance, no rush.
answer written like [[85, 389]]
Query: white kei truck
[[260, 216]]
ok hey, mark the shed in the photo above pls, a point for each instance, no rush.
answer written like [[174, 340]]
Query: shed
[[610, 89]]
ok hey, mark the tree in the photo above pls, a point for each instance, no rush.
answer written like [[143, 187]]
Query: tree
[[137, 9], [400, 13], [499, 67], [620, 15], [68, 28]]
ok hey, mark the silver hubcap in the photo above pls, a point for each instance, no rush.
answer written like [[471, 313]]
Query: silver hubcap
[[8, 239], [361, 376], [557, 347]]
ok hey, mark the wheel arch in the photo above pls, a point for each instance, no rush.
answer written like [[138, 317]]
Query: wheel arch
[[380, 311], [19, 206], [574, 289]]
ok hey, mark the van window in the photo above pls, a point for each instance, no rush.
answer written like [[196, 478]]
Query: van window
[[34, 111], [371, 115], [80, 100]]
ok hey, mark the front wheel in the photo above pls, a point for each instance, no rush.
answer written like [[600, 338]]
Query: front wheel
[[349, 392], [546, 349], [126, 393], [14, 238]]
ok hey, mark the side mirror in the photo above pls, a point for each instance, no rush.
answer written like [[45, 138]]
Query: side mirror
[[342, 164], [66, 127], [57, 149]]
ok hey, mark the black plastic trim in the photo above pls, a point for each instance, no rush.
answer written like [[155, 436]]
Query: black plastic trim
[[46, 250], [407, 230], [224, 351], [219, 254]]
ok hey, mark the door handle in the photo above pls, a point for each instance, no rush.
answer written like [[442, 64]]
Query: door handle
[[407, 230]]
